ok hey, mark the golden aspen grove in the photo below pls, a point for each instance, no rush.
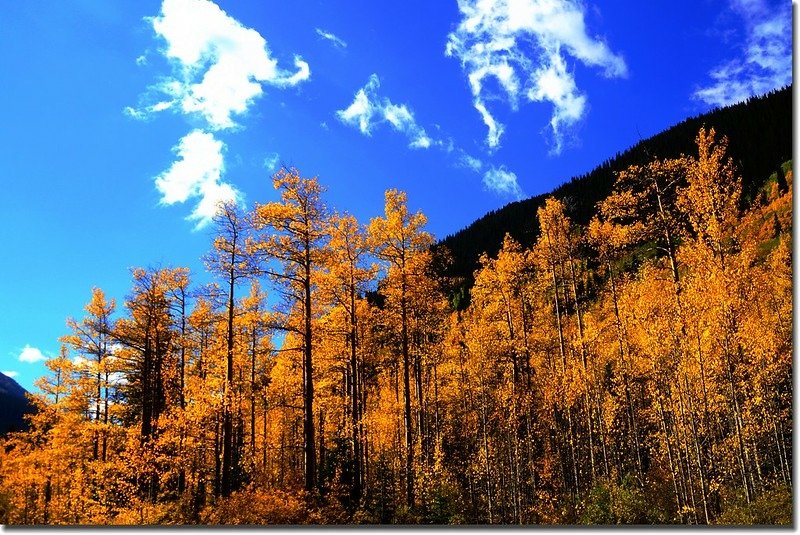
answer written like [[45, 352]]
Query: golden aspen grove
[[636, 370]]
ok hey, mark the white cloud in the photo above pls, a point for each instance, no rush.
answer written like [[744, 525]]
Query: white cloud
[[31, 354], [197, 173], [337, 42], [303, 73], [11, 374], [502, 181], [495, 129], [220, 65], [368, 110], [469, 162], [522, 45], [764, 61]]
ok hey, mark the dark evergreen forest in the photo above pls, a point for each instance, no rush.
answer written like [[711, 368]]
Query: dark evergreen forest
[[760, 134]]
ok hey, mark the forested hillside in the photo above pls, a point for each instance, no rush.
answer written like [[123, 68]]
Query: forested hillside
[[13, 405], [760, 134], [630, 362]]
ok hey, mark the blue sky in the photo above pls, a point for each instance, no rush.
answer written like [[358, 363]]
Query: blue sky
[[124, 122]]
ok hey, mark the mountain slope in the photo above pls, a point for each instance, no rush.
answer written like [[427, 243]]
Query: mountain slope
[[759, 131], [13, 405]]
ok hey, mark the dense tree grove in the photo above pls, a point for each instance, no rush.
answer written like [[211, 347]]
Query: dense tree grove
[[633, 370]]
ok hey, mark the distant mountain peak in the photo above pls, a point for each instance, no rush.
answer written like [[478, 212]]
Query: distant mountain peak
[[13, 405], [10, 387]]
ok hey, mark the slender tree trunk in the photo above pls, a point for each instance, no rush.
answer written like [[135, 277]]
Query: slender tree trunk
[[253, 347], [182, 393], [422, 431], [738, 426], [679, 503], [629, 402], [354, 395], [308, 383], [264, 436], [407, 395], [227, 416], [486, 454], [700, 463], [685, 454]]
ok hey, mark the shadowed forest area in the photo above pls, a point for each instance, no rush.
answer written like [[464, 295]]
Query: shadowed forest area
[[635, 368]]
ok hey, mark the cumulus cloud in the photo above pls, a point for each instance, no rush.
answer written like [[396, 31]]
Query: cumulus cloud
[[197, 173], [763, 62], [30, 355], [10, 373], [502, 181], [219, 64], [328, 36], [368, 109], [523, 45]]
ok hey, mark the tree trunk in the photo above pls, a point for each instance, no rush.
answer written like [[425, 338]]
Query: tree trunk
[[309, 450], [227, 417], [407, 395]]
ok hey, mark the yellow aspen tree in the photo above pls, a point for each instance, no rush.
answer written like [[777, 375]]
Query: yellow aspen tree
[[610, 243], [204, 394], [346, 280], [58, 384], [558, 248], [233, 262], [397, 239], [91, 338], [292, 235], [257, 323], [147, 360], [710, 202], [643, 201], [710, 199]]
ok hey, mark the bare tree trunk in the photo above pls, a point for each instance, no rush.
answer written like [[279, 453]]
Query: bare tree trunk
[[354, 395], [700, 462], [629, 402], [309, 450], [672, 471], [407, 395], [227, 416]]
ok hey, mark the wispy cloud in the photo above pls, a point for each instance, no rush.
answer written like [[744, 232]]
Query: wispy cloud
[[271, 161], [31, 354], [764, 61], [468, 162], [219, 70], [502, 181], [522, 45], [197, 173], [368, 109], [328, 36]]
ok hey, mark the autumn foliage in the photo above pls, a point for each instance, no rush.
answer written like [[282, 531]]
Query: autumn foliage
[[637, 370]]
